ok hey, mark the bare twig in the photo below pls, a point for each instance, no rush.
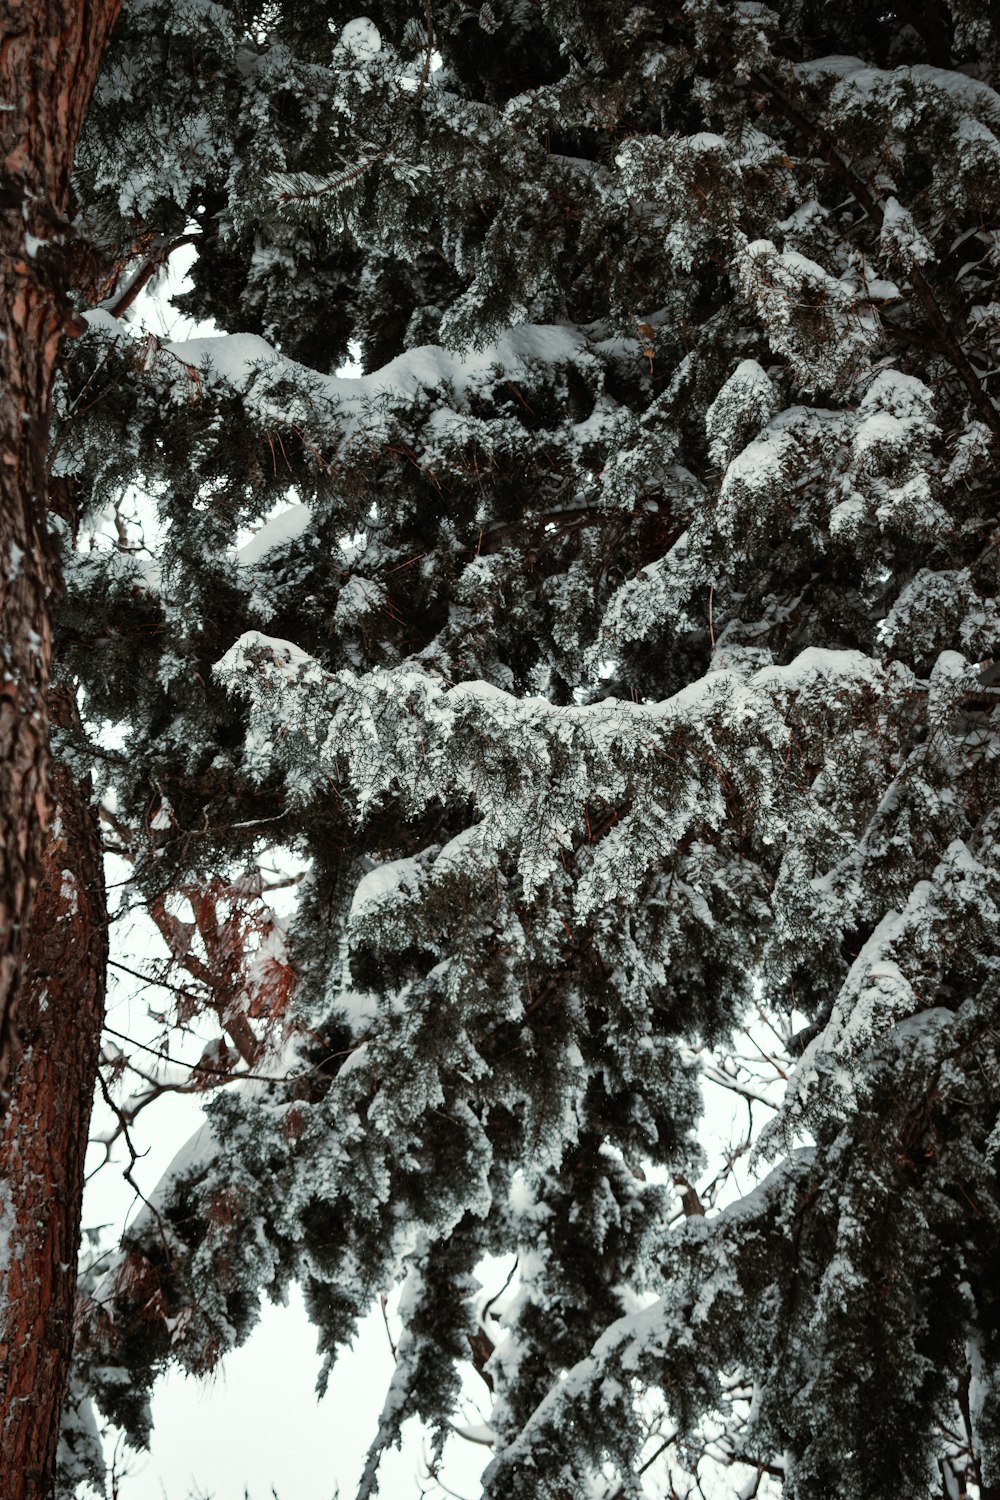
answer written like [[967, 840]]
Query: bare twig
[[383, 1302], [225, 1073]]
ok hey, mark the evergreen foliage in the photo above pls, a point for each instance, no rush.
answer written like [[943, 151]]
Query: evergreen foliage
[[627, 659]]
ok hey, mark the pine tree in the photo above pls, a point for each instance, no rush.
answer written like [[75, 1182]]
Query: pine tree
[[626, 662]]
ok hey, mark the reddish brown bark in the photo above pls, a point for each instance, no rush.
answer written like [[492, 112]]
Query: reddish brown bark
[[50, 51], [43, 1139]]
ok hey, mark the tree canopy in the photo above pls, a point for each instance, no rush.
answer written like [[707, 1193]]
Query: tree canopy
[[613, 653]]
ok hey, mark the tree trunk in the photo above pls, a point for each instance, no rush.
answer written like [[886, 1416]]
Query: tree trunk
[[44, 1135], [50, 52]]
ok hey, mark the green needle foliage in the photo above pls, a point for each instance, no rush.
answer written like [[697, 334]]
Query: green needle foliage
[[625, 664]]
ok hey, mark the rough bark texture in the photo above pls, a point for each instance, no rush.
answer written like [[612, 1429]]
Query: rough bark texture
[[44, 1135], [50, 52]]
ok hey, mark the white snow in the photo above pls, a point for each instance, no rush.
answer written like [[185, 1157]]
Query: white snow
[[385, 884], [361, 36], [277, 532], [163, 817], [97, 317], [242, 358], [233, 356]]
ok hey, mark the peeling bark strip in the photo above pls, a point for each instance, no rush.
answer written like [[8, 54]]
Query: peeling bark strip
[[50, 52], [44, 1136]]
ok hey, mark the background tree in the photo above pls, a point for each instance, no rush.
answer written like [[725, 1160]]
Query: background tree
[[624, 659]]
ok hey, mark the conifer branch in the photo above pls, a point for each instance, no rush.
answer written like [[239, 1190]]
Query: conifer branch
[[947, 342], [337, 183]]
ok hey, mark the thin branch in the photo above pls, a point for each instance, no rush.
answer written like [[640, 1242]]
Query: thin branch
[[468, 1437], [143, 275], [338, 182], [497, 1295], [648, 1464], [225, 1073], [134, 1155], [162, 984], [722, 1080], [382, 1302], [428, 53]]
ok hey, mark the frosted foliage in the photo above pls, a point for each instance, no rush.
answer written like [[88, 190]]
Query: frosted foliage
[[612, 644], [892, 464], [901, 237], [762, 486], [525, 765], [823, 325], [739, 411], [361, 37], [938, 607]]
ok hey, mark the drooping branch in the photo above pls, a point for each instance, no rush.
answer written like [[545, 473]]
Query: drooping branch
[[947, 342]]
